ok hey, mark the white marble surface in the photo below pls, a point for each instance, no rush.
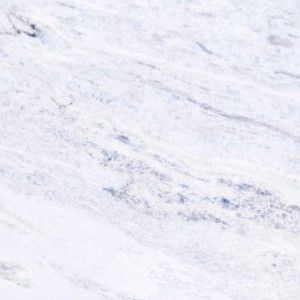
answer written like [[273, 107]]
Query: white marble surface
[[150, 150]]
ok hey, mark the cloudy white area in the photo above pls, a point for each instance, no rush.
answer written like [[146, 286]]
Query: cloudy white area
[[149, 150]]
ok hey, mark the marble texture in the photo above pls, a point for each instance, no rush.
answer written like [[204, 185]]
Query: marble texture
[[150, 150]]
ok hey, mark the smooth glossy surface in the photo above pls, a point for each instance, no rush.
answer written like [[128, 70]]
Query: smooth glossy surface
[[149, 150]]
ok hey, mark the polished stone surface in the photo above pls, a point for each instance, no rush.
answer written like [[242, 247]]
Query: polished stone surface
[[150, 150]]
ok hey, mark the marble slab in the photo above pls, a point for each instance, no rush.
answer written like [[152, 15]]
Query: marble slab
[[149, 150]]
